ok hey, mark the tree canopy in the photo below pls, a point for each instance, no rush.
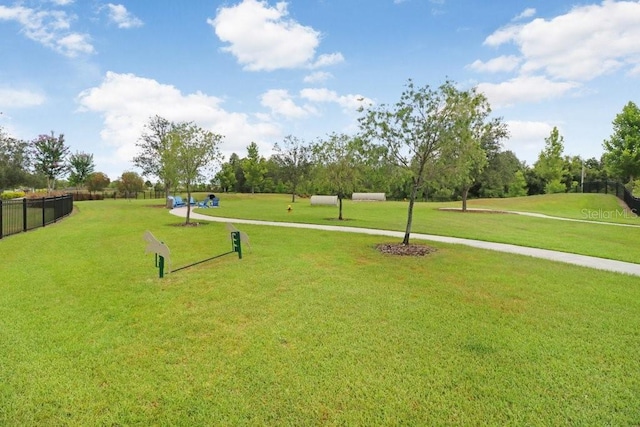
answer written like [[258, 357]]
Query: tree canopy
[[622, 149], [49, 157]]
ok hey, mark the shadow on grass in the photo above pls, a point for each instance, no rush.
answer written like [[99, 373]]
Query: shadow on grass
[[201, 262]]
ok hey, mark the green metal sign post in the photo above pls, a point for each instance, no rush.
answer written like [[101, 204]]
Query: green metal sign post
[[236, 246]]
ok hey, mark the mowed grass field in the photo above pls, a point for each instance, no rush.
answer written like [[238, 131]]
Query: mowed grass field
[[596, 237], [310, 327]]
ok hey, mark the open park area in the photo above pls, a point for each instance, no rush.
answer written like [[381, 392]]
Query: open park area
[[314, 327]]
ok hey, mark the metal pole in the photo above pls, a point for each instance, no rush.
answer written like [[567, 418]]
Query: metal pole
[[582, 179]]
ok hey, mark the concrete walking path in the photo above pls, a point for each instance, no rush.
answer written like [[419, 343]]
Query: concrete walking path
[[569, 258]]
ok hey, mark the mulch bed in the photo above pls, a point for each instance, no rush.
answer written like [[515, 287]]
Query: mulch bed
[[405, 250]]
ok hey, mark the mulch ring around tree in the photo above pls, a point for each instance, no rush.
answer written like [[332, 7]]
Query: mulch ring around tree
[[405, 250]]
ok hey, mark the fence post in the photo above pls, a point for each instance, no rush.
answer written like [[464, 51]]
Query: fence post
[[44, 205], [1, 219], [24, 214]]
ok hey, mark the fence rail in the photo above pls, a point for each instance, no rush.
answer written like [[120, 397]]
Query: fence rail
[[610, 187], [20, 215]]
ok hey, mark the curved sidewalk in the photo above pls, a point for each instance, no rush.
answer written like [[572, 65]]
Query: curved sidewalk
[[581, 260]]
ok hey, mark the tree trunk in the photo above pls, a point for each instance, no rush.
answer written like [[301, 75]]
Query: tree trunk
[[188, 204], [412, 199], [340, 211], [465, 193]]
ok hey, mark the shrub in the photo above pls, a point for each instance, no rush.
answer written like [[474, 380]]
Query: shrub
[[7, 195]]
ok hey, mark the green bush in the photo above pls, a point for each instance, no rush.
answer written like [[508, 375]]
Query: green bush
[[555, 186], [7, 195]]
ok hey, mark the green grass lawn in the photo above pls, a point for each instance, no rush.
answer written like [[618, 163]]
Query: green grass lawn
[[591, 238], [309, 328]]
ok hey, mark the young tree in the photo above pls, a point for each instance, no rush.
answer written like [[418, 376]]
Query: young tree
[[622, 149], [130, 183], [293, 159], [254, 167], [518, 186], [191, 149], [97, 181], [152, 144], [338, 163], [80, 168], [550, 163], [49, 154], [471, 135], [415, 130]]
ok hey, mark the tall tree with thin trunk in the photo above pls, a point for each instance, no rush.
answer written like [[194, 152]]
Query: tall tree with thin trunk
[[415, 130], [338, 162], [49, 157], [293, 159], [81, 166], [191, 150], [472, 135], [151, 145]]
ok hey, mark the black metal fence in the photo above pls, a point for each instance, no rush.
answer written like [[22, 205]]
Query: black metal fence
[[609, 187], [19, 215]]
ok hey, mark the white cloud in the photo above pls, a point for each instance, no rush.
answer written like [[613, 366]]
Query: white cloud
[[500, 64], [527, 138], [126, 102], [120, 16], [264, 38], [587, 42], [524, 89], [15, 98], [347, 102], [318, 77], [62, 2], [527, 13], [327, 60], [49, 28], [280, 102]]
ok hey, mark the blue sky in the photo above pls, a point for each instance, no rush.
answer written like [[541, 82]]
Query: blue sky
[[260, 70]]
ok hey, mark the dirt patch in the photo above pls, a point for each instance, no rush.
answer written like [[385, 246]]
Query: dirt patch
[[405, 250]]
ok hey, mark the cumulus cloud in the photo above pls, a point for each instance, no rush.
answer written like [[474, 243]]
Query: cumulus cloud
[[527, 13], [527, 138], [119, 15], [126, 102], [16, 98], [347, 102], [500, 64], [584, 43], [51, 28], [524, 89], [327, 60], [264, 38], [280, 102], [318, 77]]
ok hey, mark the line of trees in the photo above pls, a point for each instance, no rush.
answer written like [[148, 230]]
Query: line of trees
[[463, 159], [42, 162]]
